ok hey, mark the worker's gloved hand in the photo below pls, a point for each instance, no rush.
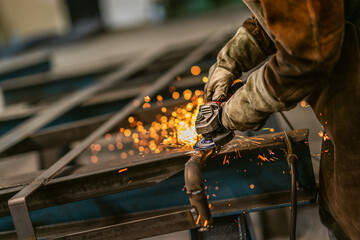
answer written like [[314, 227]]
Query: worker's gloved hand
[[240, 54], [218, 84], [251, 105]]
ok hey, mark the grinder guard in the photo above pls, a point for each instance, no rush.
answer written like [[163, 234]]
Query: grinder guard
[[208, 123]]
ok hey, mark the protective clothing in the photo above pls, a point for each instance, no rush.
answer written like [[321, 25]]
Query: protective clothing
[[240, 54], [317, 58], [251, 105]]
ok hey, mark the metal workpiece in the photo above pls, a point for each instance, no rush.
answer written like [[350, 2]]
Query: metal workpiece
[[156, 183], [165, 80], [136, 229], [208, 124], [195, 189]]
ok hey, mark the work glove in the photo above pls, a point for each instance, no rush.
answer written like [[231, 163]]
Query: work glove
[[240, 54], [251, 105]]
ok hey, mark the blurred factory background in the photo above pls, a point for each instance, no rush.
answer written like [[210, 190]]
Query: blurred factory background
[[54, 57], [27, 24]]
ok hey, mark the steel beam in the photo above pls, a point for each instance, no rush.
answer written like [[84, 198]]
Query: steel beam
[[147, 227], [77, 183], [125, 223], [104, 178]]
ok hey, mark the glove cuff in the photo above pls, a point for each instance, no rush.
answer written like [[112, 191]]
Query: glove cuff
[[251, 105], [258, 95]]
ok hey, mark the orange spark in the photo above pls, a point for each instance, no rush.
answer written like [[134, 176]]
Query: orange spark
[[236, 81], [111, 147], [159, 98], [123, 170], [257, 138], [108, 136], [226, 160], [94, 159], [147, 99], [205, 223], [195, 70], [131, 119], [146, 105], [97, 147], [263, 158], [175, 95], [198, 219]]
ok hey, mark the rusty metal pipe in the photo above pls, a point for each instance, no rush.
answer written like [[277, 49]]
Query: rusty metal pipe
[[195, 188]]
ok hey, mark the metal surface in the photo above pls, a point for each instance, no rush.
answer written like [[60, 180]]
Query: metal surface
[[85, 182], [232, 196], [221, 208], [103, 180], [195, 189], [137, 229], [162, 82]]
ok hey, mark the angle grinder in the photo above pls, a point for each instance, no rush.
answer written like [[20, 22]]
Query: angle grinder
[[208, 123]]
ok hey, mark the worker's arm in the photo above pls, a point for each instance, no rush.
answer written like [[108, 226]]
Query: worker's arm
[[308, 38], [247, 49]]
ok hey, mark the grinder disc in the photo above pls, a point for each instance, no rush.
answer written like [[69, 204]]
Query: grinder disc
[[204, 144]]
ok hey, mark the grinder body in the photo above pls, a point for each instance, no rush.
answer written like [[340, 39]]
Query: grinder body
[[208, 124]]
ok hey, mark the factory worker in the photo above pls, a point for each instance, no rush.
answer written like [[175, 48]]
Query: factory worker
[[314, 56]]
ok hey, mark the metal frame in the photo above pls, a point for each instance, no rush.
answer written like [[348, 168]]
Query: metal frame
[[105, 180], [56, 109], [17, 204], [86, 229]]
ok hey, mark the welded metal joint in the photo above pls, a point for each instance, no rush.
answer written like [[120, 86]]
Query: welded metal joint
[[290, 156], [195, 189]]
